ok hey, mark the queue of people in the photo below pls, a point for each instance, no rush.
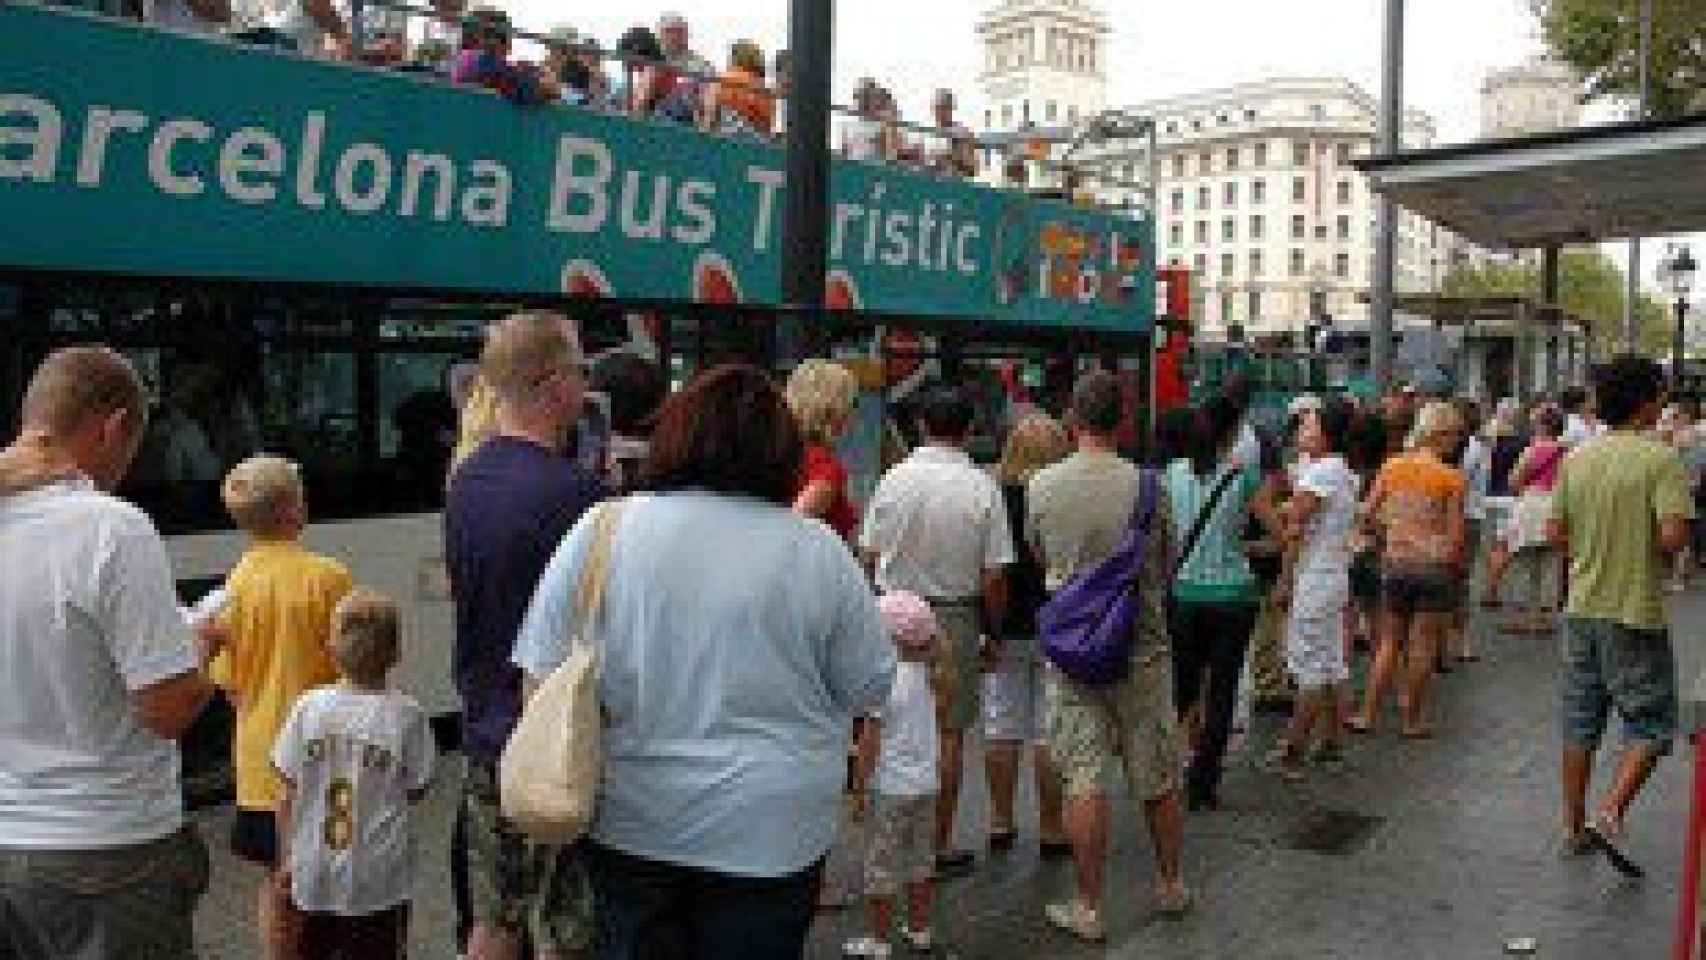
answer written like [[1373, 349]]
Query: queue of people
[[731, 693]]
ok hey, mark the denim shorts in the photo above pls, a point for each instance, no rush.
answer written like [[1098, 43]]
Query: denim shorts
[[1608, 664]]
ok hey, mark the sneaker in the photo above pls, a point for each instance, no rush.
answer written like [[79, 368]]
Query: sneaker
[[1077, 919], [869, 947], [918, 941]]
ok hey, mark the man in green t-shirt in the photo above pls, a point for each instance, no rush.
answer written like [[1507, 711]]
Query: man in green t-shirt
[[1621, 507]]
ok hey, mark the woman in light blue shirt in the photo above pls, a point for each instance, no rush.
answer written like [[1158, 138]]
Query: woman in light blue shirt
[[737, 642]]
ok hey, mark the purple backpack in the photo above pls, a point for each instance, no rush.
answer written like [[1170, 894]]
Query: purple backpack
[[1089, 626]]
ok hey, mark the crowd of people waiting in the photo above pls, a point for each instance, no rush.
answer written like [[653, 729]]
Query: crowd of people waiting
[[650, 71], [753, 624]]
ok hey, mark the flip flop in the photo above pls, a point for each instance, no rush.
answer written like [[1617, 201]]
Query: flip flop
[[1358, 727], [1420, 733]]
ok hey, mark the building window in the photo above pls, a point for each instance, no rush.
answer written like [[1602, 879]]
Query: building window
[[1257, 227], [1300, 154], [1232, 159], [1205, 162], [1051, 111], [1229, 193], [1317, 112], [1341, 265], [1221, 119], [1199, 264], [1320, 231], [1228, 230], [1344, 191], [1176, 235], [1226, 312], [1255, 263], [1205, 198], [1178, 201], [1258, 191], [1344, 227], [1227, 264], [1178, 165], [1202, 231], [1298, 189], [1254, 299], [1249, 114], [1072, 114], [1196, 125], [1027, 111], [1172, 126], [988, 119], [1261, 151], [1296, 265], [1297, 227], [1343, 154], [1006, 114]]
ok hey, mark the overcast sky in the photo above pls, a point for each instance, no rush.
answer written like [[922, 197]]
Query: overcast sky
[[1160, 47]]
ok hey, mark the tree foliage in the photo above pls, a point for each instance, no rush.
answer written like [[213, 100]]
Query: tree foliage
[[1590, 286], [1601, 38]]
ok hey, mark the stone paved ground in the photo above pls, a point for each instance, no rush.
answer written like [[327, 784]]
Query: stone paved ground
[[1461, 857]]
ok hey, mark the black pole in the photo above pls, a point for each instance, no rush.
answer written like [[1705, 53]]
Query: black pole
[[805, 248], [1676, 346]]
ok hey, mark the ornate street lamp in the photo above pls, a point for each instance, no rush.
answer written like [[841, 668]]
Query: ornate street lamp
[[1676, 275]]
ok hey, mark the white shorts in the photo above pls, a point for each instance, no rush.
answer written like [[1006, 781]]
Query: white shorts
[[1013, 695], [1315, 639]]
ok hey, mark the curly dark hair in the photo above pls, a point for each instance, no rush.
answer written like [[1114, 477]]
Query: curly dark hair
[[728, 431]]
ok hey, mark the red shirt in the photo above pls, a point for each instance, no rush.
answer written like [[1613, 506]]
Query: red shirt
[[822, 467]]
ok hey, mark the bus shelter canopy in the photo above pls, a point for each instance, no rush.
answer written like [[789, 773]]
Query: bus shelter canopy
[[1644, 178]]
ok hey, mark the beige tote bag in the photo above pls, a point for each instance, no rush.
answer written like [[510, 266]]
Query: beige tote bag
[[549, 774]]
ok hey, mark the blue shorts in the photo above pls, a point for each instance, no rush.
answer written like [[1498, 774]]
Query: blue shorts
[[1608, 664]]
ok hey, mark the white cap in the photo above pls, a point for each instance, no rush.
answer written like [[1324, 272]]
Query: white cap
[[1303, 403]]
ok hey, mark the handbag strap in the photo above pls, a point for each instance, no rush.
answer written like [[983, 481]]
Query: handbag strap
[[1200, 524], [595, 571]]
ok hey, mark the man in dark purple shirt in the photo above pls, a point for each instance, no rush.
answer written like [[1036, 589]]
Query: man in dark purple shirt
[[509, 505]]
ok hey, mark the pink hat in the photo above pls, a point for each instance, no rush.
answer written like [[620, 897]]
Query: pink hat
[[909, 620]]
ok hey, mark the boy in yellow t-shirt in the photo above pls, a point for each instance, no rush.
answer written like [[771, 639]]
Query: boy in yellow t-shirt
[[279, 617]]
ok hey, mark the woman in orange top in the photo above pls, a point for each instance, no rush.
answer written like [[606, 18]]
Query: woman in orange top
[[739, 104], [1417, 506]]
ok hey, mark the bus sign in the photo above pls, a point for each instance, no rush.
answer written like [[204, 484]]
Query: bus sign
[[174, 155]]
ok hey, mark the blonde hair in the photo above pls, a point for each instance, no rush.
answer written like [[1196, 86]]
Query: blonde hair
[[821, 394], [1035, 442], [523, 349], [258, 491], [476, 422], [1437, 417], [367, 632]]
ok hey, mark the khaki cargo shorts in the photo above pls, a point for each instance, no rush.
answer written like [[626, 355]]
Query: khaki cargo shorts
[[902, 843], [1094, 731]]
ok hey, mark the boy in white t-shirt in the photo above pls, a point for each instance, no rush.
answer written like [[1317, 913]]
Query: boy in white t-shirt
[[355, 758], [899, 755]]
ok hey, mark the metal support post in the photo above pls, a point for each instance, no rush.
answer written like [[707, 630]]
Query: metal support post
[[1632, 296], [1553, 312], [1386, 224], [1679, 344], [805, 249], [357, 28]]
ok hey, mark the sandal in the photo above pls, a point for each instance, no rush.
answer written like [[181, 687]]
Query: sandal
[[1359, 726], [1423, 732], [1175, 904], [1284, 761]]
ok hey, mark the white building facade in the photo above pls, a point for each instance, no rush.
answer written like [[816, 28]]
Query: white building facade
[[1044, 63], [1539, 95]]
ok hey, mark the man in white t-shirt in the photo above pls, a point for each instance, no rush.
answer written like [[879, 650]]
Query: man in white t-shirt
[[937, 527], [102, 675], [1580, 425]]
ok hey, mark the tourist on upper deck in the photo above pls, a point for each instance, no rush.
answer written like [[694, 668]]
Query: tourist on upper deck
[[484, 61], [644, 81], [738, 104], [673, 34], [199, 16], [782, 80], [102, 676], [954, 152], [863, 138]]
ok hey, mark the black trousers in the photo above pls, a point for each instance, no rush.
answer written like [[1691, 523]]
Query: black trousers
[[1211, 639], [652, 910]]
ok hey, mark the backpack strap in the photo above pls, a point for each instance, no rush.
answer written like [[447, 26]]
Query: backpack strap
[[1200, 524]]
